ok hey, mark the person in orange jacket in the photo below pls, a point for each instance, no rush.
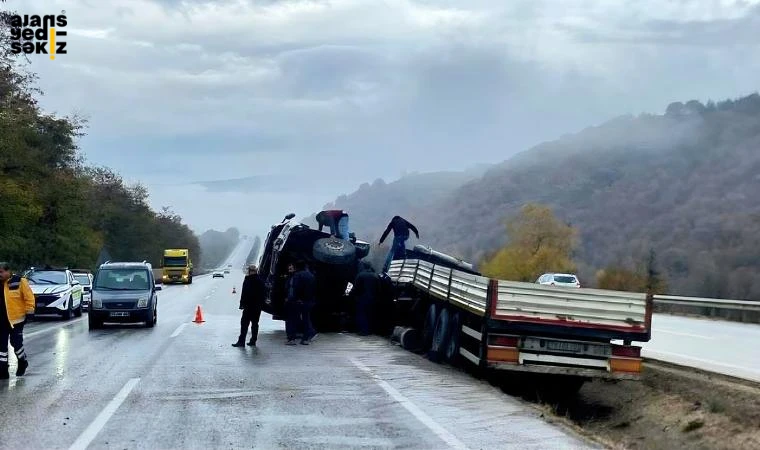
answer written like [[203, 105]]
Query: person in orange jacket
[[16, 302]]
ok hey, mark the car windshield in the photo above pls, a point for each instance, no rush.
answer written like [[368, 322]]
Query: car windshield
[[564, 279], [82, 279], [175, 261], [122, 280], [47, 277]]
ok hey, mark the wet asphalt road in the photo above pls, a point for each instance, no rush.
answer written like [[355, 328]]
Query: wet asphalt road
[[712, 345], [181, 385]]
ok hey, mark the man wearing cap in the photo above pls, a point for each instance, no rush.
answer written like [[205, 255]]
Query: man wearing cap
[[252, 297]]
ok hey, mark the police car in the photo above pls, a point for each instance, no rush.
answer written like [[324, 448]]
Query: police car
[[56, 291]]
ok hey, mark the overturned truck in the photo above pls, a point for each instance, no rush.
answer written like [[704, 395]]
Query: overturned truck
[[333, 261], [451, 312]]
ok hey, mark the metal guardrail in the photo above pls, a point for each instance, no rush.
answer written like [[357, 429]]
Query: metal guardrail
[[718, 303]]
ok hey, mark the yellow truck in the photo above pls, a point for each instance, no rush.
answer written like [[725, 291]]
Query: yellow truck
[[177, 267]]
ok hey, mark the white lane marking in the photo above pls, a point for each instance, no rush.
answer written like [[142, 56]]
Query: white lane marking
[[53, 328], [413, 409], [92, 431], [678, 333], [178, 330]]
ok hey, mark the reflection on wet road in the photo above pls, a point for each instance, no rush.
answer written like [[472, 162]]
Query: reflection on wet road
[[181, 385]]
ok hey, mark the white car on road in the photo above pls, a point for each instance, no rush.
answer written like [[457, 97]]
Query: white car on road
[[56, 291], [85, 280], [559, 279]]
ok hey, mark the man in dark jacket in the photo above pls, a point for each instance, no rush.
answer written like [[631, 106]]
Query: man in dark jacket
[[365, 292], [400, 227], [252, 296], [304, 286], [292, 310]]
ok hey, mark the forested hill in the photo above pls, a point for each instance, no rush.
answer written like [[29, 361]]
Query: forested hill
[[685, 183]]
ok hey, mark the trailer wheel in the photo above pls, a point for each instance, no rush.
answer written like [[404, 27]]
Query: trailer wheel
[[429, 327], [441, 337], [452, 346]]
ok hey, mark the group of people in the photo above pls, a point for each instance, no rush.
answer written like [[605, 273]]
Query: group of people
[[299, 303], [300, 285]]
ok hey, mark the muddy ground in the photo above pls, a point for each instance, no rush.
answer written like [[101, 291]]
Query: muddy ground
[[670, 408]]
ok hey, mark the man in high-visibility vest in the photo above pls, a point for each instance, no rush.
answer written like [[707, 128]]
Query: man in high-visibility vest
[[16, 304]]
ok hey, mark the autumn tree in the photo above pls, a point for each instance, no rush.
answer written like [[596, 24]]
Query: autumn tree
[[538, 242]]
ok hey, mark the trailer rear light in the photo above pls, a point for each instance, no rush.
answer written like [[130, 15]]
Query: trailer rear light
[[628, 365], [505, 341], [626, 351], [504, 355]]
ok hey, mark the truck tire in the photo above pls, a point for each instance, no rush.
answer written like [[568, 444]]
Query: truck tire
[[334, 251], [452, 347], [441, 336], [429, 327]]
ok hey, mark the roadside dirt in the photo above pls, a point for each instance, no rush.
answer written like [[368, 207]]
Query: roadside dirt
[[671, 408]]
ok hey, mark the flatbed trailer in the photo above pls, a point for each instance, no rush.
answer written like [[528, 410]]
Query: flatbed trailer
[[575, 333]]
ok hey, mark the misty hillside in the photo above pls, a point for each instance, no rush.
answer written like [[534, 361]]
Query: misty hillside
[[685, 183], [217, 245], [373, 205]]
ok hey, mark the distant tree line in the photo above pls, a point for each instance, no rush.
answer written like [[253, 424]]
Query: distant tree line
[[56, 210]]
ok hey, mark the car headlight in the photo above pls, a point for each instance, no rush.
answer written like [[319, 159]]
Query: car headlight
[[142, 302], [97, 303]]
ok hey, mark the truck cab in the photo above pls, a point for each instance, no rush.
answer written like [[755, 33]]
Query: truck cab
[[333, 261], [177, 267]]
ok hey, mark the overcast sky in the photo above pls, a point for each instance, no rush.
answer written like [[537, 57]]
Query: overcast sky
[[305, 100]]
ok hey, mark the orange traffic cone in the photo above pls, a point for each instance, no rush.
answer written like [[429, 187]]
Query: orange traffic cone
[[233, 289], [198, 315]]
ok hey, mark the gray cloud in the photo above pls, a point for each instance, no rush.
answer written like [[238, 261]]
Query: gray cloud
[[329, 94]]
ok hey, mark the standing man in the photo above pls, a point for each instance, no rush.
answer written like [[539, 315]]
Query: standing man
[[292, 310], [304, 286], [251, 302], [336, 220], [365, 290], [16, 303], [400, 227]]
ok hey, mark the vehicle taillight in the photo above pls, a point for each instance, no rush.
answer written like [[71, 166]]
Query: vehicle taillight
[[627, 351], [505, 341]]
